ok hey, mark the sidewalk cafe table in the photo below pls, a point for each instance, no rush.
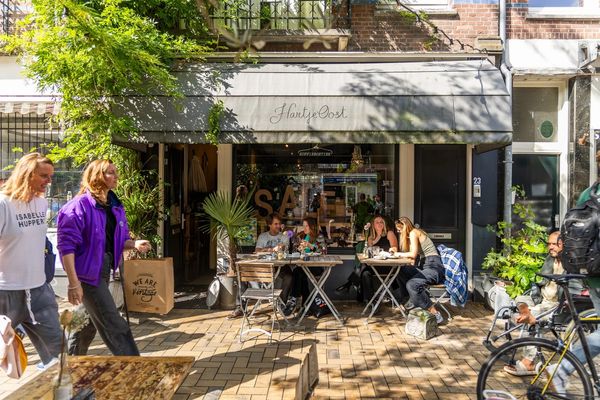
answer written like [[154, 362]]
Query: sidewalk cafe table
[[327, 262], [112, 377], [386, 281]]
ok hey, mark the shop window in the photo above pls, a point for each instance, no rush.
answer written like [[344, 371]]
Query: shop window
[[322, 182], [535, 114], [538, 176]]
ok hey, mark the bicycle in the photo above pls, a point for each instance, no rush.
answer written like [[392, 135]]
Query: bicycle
[[494, 383]]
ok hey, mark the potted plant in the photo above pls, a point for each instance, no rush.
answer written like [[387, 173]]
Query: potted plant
[[229, 222], [523, 251]]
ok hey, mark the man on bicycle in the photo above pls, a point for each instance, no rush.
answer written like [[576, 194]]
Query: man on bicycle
[[561, 377], [550, 294]]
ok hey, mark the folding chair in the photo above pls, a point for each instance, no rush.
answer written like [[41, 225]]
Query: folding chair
[[437, 293], [261, 272]]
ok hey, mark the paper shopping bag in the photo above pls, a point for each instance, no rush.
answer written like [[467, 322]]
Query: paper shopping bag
[[149, 285]]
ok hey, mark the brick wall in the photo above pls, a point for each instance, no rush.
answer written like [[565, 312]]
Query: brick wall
[[377, 30], [519, 27]]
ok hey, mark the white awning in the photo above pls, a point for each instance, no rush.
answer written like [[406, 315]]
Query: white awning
[[399, 102]]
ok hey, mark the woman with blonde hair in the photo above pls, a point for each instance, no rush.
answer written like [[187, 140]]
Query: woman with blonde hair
[[414, 243], [384, 238], [92, 234], [25, 297]]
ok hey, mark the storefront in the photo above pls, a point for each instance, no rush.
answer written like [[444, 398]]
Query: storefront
[[312, 137]]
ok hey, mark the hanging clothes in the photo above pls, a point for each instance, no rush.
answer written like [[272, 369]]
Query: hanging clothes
[[197, 180]]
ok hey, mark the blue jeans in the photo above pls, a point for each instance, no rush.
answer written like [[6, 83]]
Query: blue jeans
[[593, 339]]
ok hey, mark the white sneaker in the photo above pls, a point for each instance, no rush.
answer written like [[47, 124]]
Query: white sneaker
[[41, 366], [560, 380]]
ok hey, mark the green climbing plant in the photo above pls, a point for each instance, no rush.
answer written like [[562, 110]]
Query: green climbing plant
[[214, 122]]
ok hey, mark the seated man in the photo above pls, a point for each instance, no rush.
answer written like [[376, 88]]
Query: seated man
[[550, 295], [271, 241]]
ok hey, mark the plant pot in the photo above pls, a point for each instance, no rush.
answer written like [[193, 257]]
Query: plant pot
[[227, 292]]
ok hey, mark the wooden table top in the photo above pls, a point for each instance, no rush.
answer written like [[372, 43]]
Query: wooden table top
[[114, 377], [387, 261], [313, 261]]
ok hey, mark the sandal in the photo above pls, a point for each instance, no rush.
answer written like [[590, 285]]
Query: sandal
[[519, 369]]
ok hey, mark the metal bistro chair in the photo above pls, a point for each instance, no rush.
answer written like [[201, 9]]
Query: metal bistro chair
[[437, 293], [260, 272]]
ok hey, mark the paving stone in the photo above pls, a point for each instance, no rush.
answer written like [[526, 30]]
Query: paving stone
[[377, 361]]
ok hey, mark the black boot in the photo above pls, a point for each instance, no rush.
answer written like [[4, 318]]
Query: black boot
[[344, 288]]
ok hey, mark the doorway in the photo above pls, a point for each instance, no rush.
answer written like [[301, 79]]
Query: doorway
[[440, 193]]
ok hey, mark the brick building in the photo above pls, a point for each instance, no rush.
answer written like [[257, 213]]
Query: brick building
[[410, 106]]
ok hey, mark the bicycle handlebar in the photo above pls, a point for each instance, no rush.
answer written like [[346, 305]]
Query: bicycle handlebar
[[562, 278]]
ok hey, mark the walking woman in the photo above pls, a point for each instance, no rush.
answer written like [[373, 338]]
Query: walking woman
[[385, 239], [415, 242], [92, 234], [25, 297], [307, 244]]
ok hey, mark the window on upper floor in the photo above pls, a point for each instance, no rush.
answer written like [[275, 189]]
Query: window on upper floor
[[274, 14], [563, 8], [426, 4], [554, 3], [535, 114]]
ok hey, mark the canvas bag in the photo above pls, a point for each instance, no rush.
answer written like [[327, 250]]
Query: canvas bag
[[13, 358], [149, 285]]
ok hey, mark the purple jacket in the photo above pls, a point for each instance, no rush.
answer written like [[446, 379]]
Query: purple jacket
[[81, 231]]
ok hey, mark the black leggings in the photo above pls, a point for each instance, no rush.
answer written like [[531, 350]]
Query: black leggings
[[300, 285]]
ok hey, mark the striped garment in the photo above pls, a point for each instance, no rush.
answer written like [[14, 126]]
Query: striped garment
[[456, 275]]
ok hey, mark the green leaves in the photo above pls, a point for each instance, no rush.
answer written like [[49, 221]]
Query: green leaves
[[523, 252], [229, 216], [92, 53]]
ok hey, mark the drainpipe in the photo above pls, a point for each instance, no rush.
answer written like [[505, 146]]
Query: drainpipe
[[508, 154]]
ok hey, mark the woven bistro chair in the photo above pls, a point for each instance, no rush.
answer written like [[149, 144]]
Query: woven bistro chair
[[262, 273]]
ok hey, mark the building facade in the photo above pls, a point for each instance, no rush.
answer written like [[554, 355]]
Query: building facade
[[368, 97]]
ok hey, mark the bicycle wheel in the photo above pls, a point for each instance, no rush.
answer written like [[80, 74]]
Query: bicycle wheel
[[494, 382]]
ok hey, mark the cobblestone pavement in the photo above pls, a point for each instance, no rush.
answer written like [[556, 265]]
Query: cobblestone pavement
[[357, 360]]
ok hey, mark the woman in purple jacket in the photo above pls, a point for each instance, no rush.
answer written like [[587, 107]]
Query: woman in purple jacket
[[92, 234]]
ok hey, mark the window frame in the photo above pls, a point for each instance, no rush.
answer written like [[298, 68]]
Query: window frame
[[561, 146]]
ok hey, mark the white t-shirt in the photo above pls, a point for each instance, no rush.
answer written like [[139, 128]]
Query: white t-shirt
[[266, 240], [22, 243]]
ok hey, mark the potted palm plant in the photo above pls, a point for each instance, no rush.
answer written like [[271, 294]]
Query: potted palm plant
[[229, 222]]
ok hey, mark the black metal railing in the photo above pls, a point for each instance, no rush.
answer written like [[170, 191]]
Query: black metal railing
[[9, 15], [275, 14]]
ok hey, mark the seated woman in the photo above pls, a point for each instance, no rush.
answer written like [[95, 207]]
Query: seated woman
[[385, 239], [307, 244], [415, 242]]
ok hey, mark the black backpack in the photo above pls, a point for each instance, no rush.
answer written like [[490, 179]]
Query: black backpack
[[580, 232]]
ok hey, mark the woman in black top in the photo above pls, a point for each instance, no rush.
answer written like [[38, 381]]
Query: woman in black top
[[385, 239]]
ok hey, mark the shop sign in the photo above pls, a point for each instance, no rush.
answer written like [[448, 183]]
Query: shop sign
[[294, 111], [315, 152]]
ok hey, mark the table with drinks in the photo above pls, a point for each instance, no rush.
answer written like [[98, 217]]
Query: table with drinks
[[377, 259], [306, 261]]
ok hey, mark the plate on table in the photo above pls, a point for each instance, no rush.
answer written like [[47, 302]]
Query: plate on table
[[313, 254]]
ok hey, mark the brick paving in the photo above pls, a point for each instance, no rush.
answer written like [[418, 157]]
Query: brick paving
[[371, 361]]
